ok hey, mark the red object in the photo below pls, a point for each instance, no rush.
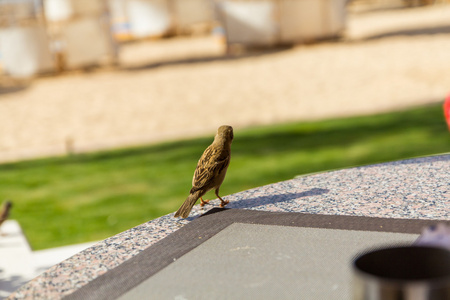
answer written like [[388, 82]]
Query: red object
[[447, 110]]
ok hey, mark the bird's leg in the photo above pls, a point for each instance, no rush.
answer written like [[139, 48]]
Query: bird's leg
[[222, 202], [203, 202]]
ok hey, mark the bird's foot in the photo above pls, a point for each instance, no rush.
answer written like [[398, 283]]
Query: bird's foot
[[203, 202], [224, 202]]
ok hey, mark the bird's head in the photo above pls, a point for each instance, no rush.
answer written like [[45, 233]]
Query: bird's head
[[225, 133]]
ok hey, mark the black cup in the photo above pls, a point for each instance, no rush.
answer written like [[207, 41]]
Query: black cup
[[409, 273]]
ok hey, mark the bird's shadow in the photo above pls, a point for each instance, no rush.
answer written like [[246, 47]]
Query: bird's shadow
[[264, 200], [277, 198]]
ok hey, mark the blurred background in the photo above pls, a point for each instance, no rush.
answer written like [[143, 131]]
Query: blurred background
[[106, 106]]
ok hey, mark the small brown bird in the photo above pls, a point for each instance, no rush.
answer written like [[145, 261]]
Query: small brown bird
[[210, 172], [4, 213]]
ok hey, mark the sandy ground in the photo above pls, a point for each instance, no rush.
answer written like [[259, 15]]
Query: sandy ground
[[167, 89]]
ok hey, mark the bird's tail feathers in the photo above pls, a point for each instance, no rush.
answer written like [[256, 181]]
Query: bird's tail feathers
[[187, 205]]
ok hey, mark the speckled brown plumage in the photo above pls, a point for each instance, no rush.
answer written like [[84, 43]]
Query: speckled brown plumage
[[211, 170]]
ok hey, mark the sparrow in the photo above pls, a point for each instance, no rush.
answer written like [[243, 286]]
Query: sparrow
[[4, 213], [210, 172]]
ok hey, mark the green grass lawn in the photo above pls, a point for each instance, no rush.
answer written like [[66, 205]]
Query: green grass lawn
[[87, 197]]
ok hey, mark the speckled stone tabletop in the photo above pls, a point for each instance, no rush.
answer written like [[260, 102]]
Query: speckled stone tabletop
[[412, 189]]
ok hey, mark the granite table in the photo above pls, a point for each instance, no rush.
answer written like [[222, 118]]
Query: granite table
[[397, 198]]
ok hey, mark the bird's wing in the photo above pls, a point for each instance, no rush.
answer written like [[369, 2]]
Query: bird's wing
[[212, 163]]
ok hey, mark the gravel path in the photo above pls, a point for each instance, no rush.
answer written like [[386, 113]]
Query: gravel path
[[390, 59]]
